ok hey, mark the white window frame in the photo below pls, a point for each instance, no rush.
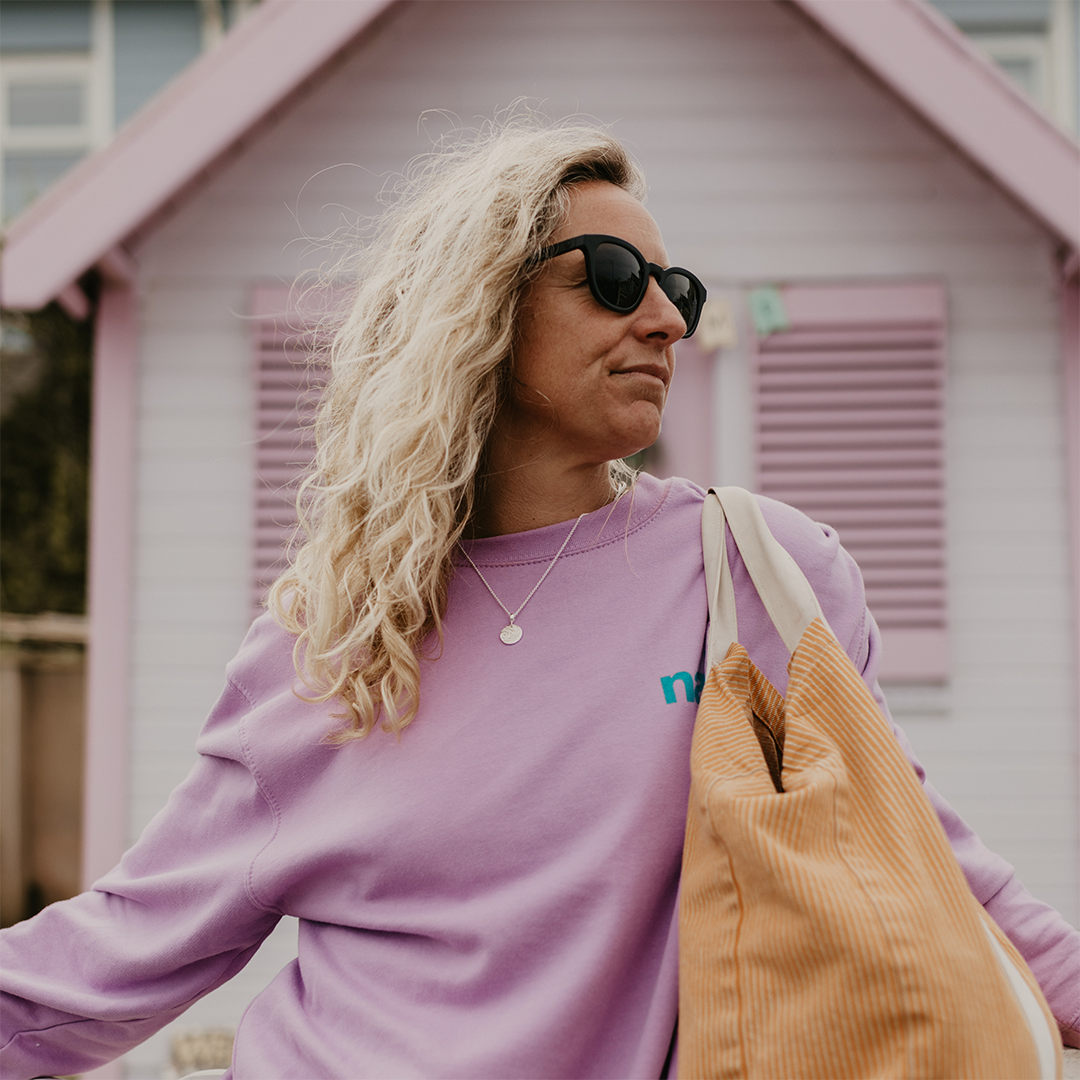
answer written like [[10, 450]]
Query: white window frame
[[1055, 75], [93, 70], [1001, 48]]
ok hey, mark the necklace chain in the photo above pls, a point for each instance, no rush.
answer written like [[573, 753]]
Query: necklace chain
[[511, 633]]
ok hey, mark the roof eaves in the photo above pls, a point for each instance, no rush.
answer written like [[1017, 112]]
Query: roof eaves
[[225, 93]]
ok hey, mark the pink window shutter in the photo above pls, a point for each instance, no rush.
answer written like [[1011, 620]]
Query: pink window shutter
[[287, 386], [849, 425]]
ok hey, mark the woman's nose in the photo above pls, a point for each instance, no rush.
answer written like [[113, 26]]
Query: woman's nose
[[658, 317]]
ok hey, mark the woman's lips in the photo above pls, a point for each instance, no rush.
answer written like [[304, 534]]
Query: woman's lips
[[654, 371]]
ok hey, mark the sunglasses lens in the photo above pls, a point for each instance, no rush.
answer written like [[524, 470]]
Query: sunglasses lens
[[620, 277], [683, 293]]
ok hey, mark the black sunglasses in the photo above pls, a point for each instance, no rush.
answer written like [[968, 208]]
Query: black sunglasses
[[618, 276]]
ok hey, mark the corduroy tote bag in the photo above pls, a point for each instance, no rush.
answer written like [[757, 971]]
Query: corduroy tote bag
[[825, 928]]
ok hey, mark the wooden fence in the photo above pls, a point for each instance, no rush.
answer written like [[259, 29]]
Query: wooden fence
[[42, 693]]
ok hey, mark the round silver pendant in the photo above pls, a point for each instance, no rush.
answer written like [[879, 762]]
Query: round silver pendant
[[511, 634]]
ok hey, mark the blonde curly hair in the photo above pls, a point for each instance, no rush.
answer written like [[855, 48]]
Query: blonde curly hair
[[419, 370]]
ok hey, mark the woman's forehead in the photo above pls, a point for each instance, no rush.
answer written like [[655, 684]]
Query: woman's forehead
[[599, 207]]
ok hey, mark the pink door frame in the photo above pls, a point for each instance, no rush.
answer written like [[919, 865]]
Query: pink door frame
[[110, 585], [1070, 378], [686, 442], [112, 503]]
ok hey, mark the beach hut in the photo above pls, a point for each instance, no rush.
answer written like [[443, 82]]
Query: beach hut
[[889, 233]]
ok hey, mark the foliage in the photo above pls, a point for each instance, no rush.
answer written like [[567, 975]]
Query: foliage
[[44, 462]]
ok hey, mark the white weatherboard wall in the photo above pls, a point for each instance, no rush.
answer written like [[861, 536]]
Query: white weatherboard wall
[[771, 158]]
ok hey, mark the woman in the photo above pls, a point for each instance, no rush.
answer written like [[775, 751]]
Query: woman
[[490, 889]]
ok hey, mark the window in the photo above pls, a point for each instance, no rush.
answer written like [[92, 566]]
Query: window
[[56, 104], [287, 388], [1025, 58], [46, 123], [849, 429], [55, 92], [28, 173], [1033, 41]]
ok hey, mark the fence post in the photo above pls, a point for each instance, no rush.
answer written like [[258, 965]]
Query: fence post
[[12, 871]]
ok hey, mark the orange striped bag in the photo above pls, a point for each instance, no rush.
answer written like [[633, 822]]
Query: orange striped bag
[[825, 927]]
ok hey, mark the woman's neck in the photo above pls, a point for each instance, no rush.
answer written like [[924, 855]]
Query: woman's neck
[[536, 494]]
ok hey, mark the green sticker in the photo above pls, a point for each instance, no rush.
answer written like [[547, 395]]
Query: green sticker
[[767, 311]]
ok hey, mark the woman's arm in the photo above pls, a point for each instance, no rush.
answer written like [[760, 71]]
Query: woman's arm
[[88, 978]]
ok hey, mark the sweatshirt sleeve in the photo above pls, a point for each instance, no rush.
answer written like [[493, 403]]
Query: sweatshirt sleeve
[[1043, 938], [1046, 941], [89, 978]]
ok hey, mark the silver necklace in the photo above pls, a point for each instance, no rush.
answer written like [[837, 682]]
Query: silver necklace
[[511, 633]]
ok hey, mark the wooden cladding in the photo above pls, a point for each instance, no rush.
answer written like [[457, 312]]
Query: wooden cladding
[[287, 386], [849, 426]]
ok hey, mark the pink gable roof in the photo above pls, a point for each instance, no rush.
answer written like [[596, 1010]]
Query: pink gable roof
[[87, 216], [920, 54]]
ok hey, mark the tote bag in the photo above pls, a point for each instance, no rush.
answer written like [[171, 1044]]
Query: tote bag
[[825, 927]]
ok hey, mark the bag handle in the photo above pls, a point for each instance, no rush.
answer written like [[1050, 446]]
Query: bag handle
[[723, 623], [782, 586]]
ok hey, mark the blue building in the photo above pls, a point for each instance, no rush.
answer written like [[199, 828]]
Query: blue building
[[73, 71]]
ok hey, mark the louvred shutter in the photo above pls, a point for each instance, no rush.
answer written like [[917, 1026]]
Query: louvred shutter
[[287, 386], [849, 411]]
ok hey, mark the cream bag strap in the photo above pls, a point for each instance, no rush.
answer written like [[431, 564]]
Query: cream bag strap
[[782, 586]]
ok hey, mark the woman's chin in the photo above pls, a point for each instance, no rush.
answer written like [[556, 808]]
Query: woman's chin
[[646, 438], [642, 437]]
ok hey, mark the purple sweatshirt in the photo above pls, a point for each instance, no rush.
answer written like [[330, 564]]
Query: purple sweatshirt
[[494, 895]]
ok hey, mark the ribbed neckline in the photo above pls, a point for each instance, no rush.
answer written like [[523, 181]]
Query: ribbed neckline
[[606, 525]]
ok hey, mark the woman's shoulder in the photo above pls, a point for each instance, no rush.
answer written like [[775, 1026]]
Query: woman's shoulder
[[814, 546], [264, 660], [261, 695], [832, 573]]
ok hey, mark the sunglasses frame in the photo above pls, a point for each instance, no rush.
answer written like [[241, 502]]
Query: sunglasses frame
[[587, 243]]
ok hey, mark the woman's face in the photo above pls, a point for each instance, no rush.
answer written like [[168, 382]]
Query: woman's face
[[590, 384]]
